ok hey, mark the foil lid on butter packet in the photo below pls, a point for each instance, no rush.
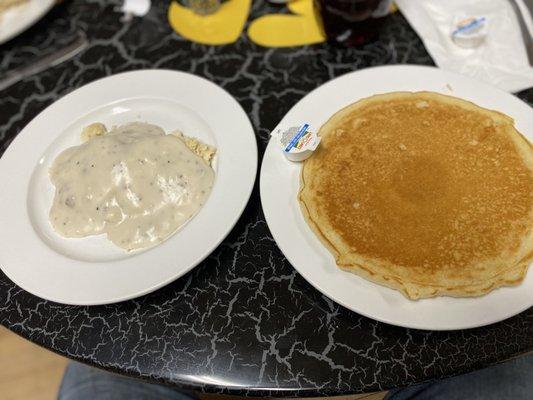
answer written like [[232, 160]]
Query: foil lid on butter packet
[[296, 142]]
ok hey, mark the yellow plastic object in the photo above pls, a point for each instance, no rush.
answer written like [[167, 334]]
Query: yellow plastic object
[[282, 30], [226, 24], [222, 27]]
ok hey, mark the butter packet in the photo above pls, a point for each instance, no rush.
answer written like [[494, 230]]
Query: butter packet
[[468, 31], [297, 142]]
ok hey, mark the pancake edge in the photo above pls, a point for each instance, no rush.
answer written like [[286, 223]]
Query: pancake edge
[[412, 290]]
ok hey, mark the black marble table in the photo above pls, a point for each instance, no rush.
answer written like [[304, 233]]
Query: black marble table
[[243, 322]]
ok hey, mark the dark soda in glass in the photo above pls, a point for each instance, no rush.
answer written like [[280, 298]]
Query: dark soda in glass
[[351, 22]]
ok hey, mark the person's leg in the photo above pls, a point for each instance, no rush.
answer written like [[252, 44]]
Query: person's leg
[[510, 380], [82, 382]]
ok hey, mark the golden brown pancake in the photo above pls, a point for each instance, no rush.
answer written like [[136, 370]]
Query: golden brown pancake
[[424, 193]]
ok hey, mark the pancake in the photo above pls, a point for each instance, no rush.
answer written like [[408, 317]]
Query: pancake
[[424, 193]]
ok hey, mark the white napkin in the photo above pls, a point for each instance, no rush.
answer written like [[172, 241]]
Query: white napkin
[[501, 60]]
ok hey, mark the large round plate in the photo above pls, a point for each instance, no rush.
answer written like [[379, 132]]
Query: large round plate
[[280, 183], [92, 270], [17, 19]]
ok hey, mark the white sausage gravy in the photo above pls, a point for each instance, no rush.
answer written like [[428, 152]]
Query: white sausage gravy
[[134, 183]]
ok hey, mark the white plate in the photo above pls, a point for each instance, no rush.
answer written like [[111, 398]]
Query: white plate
[[19, 18], [280, 183], [92, 270]]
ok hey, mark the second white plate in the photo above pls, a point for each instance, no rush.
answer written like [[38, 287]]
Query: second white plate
[[279, 187], [92, 270]]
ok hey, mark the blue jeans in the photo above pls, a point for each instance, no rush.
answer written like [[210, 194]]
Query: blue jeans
[[510, 380], [82, 382]]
